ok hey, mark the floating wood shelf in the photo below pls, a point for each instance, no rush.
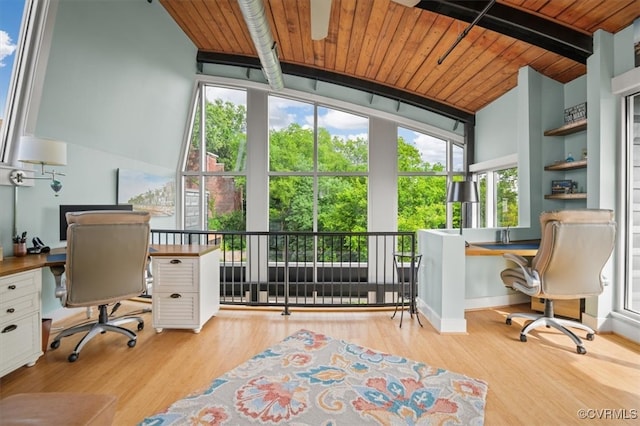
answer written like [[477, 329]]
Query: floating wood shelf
[[575, 196], [568, 129], [570, 165]]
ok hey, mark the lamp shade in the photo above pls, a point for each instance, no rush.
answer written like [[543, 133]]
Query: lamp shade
[[462, 192], [42, 151]]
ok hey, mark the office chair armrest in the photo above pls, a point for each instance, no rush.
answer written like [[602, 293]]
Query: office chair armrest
[[521, 261]]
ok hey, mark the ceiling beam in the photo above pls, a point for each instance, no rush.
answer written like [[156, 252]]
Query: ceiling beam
[[342, 80], [518, 24]]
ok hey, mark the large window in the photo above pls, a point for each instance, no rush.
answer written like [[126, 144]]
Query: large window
[[498, 193], [214, 177], [318, 164], [12, 33], [425, 165]]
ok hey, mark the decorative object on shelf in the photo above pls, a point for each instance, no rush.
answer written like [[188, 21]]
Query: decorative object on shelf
[[20, 245], [462, 192], [570, 158], [584, 153], [561, 186], [575, 113]]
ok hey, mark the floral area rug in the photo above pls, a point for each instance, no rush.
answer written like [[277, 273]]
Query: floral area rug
[[312, 379]]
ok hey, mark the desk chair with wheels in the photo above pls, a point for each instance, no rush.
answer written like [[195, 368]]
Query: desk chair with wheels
[[106, 261], [574, 247]]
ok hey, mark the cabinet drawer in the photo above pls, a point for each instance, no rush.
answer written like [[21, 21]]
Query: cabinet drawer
[[19, 342], [19, 307], [175, 310], [175, 274], [18, 285]]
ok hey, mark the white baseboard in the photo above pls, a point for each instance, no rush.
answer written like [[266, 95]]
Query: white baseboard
[[442, 325], [490, 302]]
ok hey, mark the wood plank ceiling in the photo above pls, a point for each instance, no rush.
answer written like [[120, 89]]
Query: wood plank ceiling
[[395, 49]]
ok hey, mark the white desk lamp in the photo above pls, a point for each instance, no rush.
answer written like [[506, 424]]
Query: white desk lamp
[[41, 151]]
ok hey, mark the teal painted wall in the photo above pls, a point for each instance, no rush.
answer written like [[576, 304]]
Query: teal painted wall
[[118, 87]]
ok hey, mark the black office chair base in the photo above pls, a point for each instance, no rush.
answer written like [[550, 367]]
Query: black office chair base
[[93, 329], [549, 320]]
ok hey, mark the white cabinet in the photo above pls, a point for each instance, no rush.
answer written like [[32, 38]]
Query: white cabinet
[[186, 289], [20, 321]]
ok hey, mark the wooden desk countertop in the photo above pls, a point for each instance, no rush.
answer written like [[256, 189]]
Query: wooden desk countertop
[[12, 265], [474, 249]]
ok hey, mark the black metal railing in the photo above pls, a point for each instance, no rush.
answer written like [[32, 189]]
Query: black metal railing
[[312, 269]]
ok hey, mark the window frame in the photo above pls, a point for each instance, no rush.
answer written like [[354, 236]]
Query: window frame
[[27, 76], [490, 168]]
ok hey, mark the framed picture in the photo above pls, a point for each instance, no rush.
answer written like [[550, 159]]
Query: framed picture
[[561, 186], [147, 192]]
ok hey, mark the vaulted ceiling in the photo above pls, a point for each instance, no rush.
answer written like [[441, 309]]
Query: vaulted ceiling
[[394, 50]]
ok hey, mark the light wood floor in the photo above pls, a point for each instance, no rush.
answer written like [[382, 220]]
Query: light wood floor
[[543, 381]]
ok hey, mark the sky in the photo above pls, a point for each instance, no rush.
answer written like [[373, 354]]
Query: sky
[[10, 20], [283, 111]]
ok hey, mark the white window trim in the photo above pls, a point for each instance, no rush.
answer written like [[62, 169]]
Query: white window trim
[[489, 167]]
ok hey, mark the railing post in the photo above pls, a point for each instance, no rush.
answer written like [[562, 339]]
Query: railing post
[[286, 276]]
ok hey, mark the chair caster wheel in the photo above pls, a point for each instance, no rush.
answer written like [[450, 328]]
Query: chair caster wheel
[[590, 336], [581, 350], [131, 343], [508, 321], [73, 357], [140, 326], [55, 344], [523, 338]]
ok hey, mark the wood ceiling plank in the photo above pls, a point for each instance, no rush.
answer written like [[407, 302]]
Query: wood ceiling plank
[[571, 73], [276, 12], [374, 32], [467, 65], [184, 20], [198, 15], [486, 63], [220, 25], [598, 17], [231, 14], [454, 61], [442, 35], [294, 31], [555, 8], [504, 63], [577, 10], [347, 9], [424, 38], [557, 68], [505, 79], [398, 52], [359, 31], [621, 18]]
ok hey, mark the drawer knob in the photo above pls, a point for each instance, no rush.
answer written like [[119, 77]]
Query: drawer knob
[[9, 328], [11, 310], [12, 287], [175, 261], [175, 296]]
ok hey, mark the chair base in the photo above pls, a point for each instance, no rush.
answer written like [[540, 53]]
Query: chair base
[[549, 320], [103, 325]]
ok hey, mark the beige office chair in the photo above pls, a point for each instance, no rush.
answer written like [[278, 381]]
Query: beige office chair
[[106, 261], [574, 247]]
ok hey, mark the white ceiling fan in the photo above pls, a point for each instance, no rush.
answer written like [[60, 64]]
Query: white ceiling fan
[[321, 10]]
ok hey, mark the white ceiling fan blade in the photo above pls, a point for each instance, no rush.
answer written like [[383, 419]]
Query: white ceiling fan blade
[[408, 3], [320, 12]]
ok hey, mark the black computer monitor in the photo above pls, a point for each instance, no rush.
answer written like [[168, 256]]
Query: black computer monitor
[[65, 208]]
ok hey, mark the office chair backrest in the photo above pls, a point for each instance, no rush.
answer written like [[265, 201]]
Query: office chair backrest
[[106, 256], [574, 247]]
